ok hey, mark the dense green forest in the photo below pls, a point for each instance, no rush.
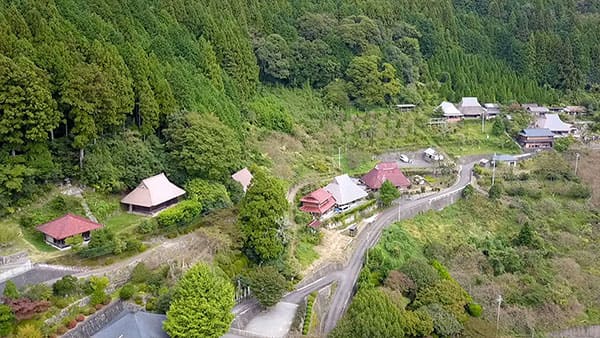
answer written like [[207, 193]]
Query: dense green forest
[[111, 91]]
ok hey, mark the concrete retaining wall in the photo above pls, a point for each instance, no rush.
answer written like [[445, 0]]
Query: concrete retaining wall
[[18, 257], [578, 332]]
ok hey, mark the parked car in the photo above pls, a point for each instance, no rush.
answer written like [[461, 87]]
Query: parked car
[[404, 158]]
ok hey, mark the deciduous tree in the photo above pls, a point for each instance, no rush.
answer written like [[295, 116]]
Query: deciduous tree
[[201, 305]]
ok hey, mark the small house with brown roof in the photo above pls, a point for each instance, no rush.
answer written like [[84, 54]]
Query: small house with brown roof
[[449, 111], [69, 225], [575, 110], [385, 171], [243, 177], [153, 195], [318, 202]]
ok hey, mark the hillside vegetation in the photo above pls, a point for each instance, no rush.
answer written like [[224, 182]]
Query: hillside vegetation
[[99, 90], [535, 244]]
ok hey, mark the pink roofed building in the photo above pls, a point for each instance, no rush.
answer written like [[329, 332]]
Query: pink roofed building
[[243, 177], [318, 202], [385, 171], [153, 195], [69, 225]]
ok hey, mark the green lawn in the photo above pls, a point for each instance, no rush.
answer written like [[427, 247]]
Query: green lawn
[[123, 222], [466, 138], [305, 253]]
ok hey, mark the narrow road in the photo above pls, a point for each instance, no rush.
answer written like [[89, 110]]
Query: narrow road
[[347, 277]]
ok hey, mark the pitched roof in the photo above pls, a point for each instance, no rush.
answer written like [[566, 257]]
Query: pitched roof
[[449, 109], [385, 171], [244, 177], [538, 109], [153, 191], [318, 196], [67, 226], [505, 158], [554, 123], [529, 105], [138, 324], [344, 190], [319, 201], [491, 105], [469, 102], [536, 132], [575, 109]]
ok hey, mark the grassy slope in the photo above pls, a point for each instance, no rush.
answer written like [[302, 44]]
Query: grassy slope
[[556, 286]]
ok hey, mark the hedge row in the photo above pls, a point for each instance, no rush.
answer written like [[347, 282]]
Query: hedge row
[[181, 215]]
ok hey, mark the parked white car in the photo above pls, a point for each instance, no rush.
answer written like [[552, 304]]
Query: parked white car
[[404, 158]]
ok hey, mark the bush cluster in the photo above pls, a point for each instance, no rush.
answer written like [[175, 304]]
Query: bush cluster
[[181, 215]]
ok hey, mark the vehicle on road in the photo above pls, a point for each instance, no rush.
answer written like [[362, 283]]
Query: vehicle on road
[[404, 158]]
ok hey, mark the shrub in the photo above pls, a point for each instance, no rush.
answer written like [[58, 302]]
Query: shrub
[[140, 273], [211, 195], [61, 330], [474, 309], [80, 318], [496, 191], [38, 292], [98, 306], [72, 324], [134, 245], [468, 191], [421, 273], [147, 226], [441, 269], [444, 324], [29, 331], [400, 282], [7, 320], [10, 290], [66, 286], [126, 292], [308, 314], [180, 215]]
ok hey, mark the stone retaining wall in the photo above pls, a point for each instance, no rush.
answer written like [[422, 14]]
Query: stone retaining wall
[[14, 258], [100, 319]]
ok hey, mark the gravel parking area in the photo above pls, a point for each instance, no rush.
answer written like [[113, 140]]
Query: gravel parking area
[[416, 158]]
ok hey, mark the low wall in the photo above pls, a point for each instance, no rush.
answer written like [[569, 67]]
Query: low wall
[[100, 319], [18, 257], [578, 332]]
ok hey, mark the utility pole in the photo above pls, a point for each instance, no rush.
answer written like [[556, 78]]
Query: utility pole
[[499, 301], [493, 169], [483, 122], [576, 162]]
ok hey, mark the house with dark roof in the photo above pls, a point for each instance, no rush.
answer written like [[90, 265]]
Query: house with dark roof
[[153, 195], [449, 111], [385, 171], [318, 202], [134, 324], [470, 108], [57, 231], [538, 111], [243, 177], [345, 191], [536, 138], [491, 110], [575, 110]]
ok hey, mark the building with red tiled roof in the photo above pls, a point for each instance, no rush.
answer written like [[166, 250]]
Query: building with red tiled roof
[[318, 202], [385, 171], [69, 225]]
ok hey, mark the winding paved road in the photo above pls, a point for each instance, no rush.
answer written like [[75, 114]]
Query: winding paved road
[[347, 277]]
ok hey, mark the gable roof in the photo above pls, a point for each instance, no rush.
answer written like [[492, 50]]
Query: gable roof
[[575, 109], [243, 177], [449, 109], [491, 105], [538, 109], [385, 171], [153, 191], [537, 132], [318, 196], [469, 102], [67, 226], [138, 324], [344, 190], [554, 123]]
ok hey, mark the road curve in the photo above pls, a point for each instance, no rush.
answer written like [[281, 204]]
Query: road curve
[[348, 275]]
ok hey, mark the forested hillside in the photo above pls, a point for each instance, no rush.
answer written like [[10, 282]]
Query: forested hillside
[[111, 91]]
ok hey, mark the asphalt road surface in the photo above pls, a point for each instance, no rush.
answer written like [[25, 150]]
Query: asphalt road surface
[[347, 277]]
